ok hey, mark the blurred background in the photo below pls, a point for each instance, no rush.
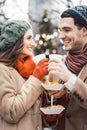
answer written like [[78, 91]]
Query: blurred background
[[44, 16]]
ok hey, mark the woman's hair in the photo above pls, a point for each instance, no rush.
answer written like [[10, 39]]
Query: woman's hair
[[76, 22], [10, 55]]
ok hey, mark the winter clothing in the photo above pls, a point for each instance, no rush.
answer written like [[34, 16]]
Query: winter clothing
[[25, 67], [79, 13], [76, 114], [11, 32], [76, 60], [19, 101], [41, 69]]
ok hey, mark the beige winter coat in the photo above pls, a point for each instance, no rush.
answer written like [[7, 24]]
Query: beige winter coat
[[76, 115], [19, 101], [76, 112]]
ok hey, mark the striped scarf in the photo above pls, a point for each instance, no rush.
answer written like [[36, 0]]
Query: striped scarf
[[76, 60]]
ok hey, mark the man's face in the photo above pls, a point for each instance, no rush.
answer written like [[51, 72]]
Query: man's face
[[71, 36]]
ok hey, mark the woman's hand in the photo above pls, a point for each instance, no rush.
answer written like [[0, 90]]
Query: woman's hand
[[41, 69]]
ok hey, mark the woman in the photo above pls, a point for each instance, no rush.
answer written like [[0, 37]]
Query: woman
[[19, 97]]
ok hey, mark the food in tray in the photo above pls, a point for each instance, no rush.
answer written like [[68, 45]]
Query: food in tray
[[53, 107], [51, 83]]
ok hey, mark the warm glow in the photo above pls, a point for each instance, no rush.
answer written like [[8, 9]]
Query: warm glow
[[37, 37], [44, 35], [40, 42], [55, 34]]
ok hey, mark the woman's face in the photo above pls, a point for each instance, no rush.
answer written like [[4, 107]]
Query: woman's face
[[28, 44]]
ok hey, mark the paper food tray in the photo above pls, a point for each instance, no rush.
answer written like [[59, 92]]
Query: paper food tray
[[53, 87], [52, 110]]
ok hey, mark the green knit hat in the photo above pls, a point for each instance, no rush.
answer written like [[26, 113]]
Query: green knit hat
[[11, 32]]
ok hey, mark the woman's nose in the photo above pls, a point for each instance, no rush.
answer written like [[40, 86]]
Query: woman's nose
[[34, 43]]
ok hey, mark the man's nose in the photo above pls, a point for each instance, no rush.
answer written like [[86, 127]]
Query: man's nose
[[61, 35]]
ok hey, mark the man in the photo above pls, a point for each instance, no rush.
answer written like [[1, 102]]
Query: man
[[73, 33]]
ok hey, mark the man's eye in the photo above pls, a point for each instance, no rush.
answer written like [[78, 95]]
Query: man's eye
[[67, 30]]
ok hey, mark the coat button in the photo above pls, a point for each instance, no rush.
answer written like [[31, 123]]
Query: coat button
[[68, 116]]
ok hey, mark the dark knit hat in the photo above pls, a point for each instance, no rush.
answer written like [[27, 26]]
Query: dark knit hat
[[79, 13], [11, 32]]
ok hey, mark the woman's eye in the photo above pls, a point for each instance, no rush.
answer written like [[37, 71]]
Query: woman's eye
[[29, 38]]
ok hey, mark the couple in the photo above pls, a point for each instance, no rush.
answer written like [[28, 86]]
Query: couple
[[20, 77]]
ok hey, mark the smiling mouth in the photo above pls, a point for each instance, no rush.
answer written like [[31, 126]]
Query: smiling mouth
[[30, 49], [66, 42]]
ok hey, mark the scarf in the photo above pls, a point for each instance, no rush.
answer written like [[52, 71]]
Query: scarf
[[76, 60], [25, 66]]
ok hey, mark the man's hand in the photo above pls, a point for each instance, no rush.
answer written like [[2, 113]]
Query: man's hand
[[57, 94]]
